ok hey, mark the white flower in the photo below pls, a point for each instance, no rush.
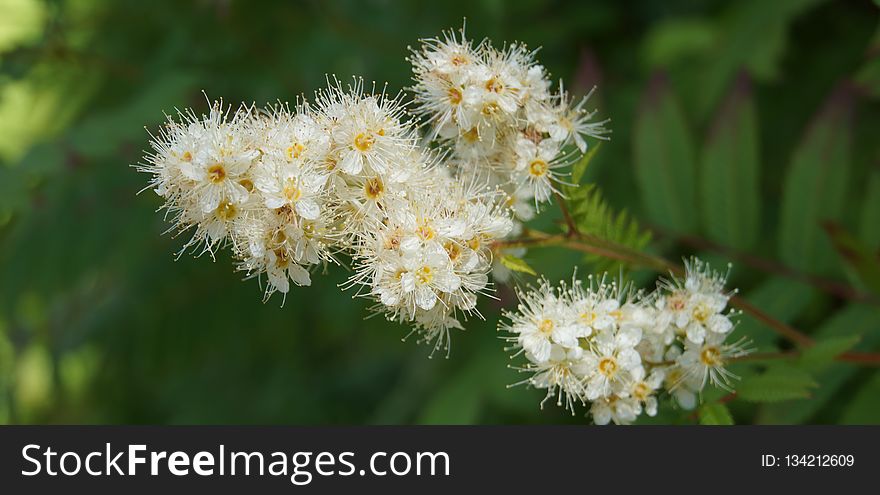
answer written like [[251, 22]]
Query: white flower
[[613, 362], [298, 189], [705, 362]]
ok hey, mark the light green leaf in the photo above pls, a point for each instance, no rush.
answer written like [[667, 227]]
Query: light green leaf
[[664, 159], [715, 413], [729, 196], [517, 264], [778, 383], [815, 186]]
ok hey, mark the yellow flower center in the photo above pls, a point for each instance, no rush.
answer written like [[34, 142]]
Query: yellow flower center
[[186, 156], [364, 142], [475, 243], [424, 275], [374, 188], [702, 312], [494, 86], [538, 168], [454, 96], [459, 60], [294, 151], [291, 192], [546, 326], [490, 108], [226, 210], [281, 258], [247, 184], [471, 136], [425, 231], [588, 317], [641, 391], [711, 356], [453, 250], [216, 173], [608, 366]]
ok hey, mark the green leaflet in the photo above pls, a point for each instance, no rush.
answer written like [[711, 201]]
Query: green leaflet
[[864, 264], [855, 319], [865, 404], [780, 382], [729, 164], [815, 186], [594, 216], [869, 231], [753, 37], [714, 413], [664, 159], [781, 298], [823, 352], [517, 264]]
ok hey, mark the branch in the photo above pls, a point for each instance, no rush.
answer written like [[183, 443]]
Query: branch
[[566, 214], [602, 247], [833, 287]]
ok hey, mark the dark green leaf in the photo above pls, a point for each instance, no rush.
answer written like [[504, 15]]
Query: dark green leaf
[[869, 232], [729, 172], [864, 263], [824, 351], [664, 159], [778, 383], [815, 186]]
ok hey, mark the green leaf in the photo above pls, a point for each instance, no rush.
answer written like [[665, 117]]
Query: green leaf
[[517, 264], [863, 407], [580, 167], [675, 39], [864, 264], [869, 231], [753, 37], [815, 186], [781, 298], [856, 319], [824, 351], [664, 159], [778, 383], [715, 413], [594, 216], [729, 196]]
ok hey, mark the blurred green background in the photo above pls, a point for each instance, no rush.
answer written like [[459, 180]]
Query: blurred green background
[[736, 126]]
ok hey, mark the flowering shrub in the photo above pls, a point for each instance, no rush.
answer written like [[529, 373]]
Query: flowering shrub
[[426, 198]]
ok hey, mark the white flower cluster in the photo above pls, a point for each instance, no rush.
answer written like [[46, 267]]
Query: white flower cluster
[[616, 349], [291, 189], [494, 111]]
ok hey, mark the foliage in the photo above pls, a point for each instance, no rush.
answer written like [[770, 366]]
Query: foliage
[[742, 131]]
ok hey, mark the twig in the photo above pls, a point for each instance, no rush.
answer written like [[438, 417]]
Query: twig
[[833, 287], [566, 214], [587, 243]]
